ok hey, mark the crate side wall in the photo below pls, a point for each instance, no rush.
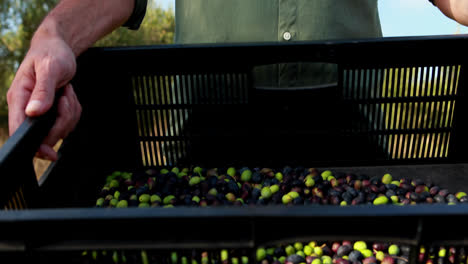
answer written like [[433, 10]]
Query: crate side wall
[[103, 140]]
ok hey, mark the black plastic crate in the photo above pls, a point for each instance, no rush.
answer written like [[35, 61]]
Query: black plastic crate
[[398, 107], [134, 100]]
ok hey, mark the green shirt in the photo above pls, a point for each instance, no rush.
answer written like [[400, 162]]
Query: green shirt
[[237, 21]]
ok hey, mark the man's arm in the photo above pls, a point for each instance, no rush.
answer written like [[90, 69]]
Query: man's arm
[[80, 23], [454, 9], [68, 30]]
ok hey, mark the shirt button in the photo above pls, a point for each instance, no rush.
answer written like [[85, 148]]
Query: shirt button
[[287, 35]]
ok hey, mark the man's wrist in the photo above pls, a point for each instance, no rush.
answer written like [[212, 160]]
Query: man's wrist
[[48, 30], [80, 23]]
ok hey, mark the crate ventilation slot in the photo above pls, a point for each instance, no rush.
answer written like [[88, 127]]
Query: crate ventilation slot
[[164, 104], [407, 111], [16, 201]]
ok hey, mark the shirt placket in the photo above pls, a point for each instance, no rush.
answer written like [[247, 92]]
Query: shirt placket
[[287, 20], [287, 31]]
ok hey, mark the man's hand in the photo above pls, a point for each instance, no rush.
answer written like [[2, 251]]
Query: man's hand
[[49, 65], [68, 30]]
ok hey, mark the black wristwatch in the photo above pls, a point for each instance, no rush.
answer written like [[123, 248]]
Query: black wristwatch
[[432, 1], [139, 11]]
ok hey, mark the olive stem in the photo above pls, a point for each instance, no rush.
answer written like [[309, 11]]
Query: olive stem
[[400, 258]]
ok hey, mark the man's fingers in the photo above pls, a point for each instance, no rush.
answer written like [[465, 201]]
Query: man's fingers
[[69, 111], [16, 113], [72, 116], [17, 98], [62, 124], [74, 105], [47, 152], [65, 123], [42, 96]]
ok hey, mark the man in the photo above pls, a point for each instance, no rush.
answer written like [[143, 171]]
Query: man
[[74, 25]]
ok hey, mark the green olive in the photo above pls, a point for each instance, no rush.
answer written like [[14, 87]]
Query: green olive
[[122, 204], [155, 198], [231, 172], [387, 179], [246, 175], [144, 198], [100, 202], [286, 199], [381, 200], [168, 199], [114, 184], [261, 254], [194, 180]]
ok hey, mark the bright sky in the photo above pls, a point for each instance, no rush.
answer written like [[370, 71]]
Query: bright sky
[[404, 18], [415, 18]]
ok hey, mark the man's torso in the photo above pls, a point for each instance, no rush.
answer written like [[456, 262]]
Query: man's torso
[[237, 21]]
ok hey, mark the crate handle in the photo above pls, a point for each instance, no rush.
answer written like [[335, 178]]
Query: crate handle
[[17, 153]]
